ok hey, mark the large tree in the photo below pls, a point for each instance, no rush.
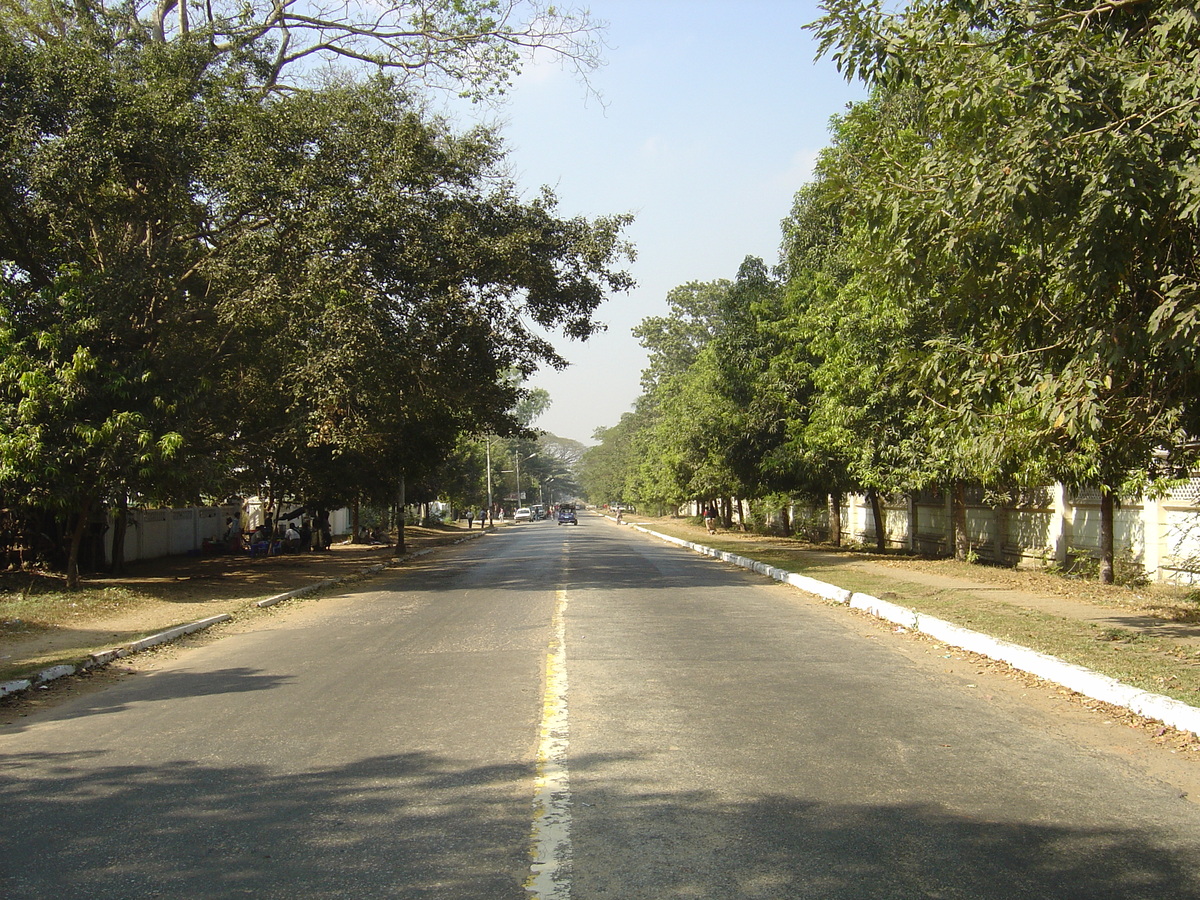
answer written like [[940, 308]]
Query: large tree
[[674, 341], [1047, 200], [201, 274], [108, 363], [615, 469], [393, 274], [847, 367]]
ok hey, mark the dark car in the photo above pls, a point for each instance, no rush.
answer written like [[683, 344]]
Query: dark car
[[566, 516]]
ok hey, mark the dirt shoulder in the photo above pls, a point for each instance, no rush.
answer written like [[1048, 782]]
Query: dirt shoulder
[[42, 624]]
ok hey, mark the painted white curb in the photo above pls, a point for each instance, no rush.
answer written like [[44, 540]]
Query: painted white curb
[[329, 582], [104, 657], [298, 592], [1076, 678], [163, 636], [15, 687]]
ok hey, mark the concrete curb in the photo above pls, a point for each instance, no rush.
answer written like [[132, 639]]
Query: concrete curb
[[104, 657], [1076, 678], [300, 592], [354, 576]]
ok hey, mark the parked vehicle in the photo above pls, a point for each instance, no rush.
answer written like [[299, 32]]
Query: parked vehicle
[[524, 514], [566, 516]]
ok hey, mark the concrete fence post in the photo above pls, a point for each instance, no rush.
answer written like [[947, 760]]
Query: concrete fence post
[[1152, 537], [1059, 530]]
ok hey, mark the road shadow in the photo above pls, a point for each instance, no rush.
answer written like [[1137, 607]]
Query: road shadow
[[700, 845], [406, 825], [423, 825], [158, 687]]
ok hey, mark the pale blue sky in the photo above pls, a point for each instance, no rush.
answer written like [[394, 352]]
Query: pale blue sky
[[714, 112]]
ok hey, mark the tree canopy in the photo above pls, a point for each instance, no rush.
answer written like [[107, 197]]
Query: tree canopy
[[993, 274], [469, 47], [1045, 194], [209, 284]]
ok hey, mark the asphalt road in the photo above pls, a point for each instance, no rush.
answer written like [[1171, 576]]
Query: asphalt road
[[687, 730]]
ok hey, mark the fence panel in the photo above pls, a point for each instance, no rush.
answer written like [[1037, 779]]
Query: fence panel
[[153, 534], [1026, 530], [1027, 539], [183, 531], [1179, 543]]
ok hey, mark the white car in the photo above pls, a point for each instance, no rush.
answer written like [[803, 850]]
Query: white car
[[524, 514]]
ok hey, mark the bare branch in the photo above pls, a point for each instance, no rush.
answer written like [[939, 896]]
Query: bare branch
[[1084, 15], [473, 47]]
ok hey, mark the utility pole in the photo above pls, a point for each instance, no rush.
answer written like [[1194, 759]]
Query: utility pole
[[517, 457]]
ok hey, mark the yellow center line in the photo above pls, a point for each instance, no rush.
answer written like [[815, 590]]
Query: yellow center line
[[550, 869]]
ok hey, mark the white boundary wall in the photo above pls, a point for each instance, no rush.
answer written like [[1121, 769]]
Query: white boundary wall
[[1159, 535], [1046, 525], [154, 533]]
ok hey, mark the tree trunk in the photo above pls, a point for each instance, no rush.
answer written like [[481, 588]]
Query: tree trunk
[[958, 508], [1000, 517], [354, 527], [120, 526], [877, 513], [81, 526], [835, 519], [785, 520], [1107, 507], [400, 504]]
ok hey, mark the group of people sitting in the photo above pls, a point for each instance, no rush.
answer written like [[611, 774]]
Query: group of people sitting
[[375, 536], [272, 538]]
